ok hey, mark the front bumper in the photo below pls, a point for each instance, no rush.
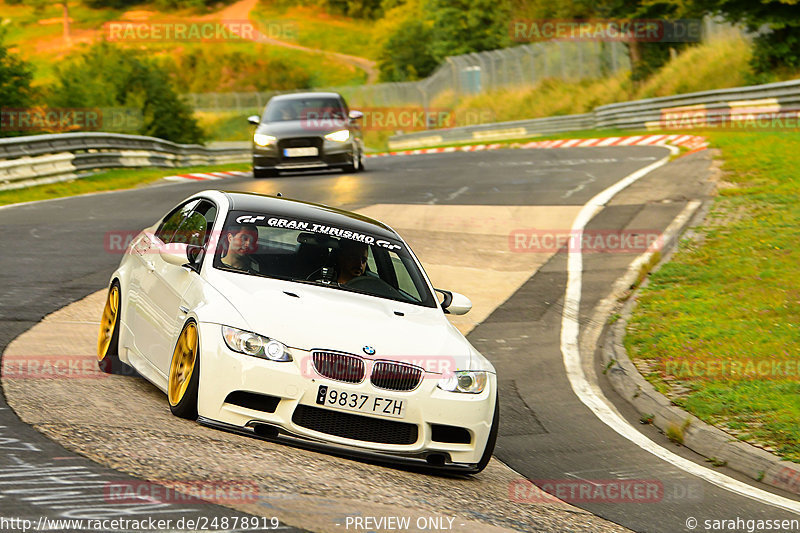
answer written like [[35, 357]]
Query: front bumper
[[330, 155], [293, 384]]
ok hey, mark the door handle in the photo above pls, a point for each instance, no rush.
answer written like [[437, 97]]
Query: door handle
[[150, 266], [184, 309]]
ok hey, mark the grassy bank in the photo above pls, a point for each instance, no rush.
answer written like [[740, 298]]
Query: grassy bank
[[312, 27], [124, 178], [713, 323], [714, 65]]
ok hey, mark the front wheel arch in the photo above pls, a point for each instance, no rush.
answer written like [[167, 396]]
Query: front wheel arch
[[492, 439], [184, 372]]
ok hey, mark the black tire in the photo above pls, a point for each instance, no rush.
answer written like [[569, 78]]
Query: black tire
[[492, 440], [186, 406], [108, 354], [352, 167]]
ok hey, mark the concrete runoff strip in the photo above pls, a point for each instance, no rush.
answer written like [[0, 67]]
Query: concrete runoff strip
[[124, 422]]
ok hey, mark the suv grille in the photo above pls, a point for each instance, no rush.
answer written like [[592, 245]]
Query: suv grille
[[395, 376], [354, 427], [339, 366]]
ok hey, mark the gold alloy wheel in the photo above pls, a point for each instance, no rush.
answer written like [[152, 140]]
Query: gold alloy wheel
[[183, 361], [108, 322]]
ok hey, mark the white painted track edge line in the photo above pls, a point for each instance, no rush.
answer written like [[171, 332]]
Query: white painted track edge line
[[592, 396]]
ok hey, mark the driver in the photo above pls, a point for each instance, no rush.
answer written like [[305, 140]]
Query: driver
[[241, 240], [351, 261]]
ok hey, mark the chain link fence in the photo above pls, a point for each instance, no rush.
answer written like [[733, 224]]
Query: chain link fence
[[464, 74]]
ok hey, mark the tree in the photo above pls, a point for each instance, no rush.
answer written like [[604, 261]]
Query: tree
[[406, 55], [647, 57], [464, 26], [15, 82], [107, 76], [420, 34], [370, 9], [777, 22]]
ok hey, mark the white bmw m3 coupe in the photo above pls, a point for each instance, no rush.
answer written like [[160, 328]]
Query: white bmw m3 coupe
[[300, 323]]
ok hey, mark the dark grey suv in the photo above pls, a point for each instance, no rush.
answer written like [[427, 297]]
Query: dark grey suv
[[306, 131]]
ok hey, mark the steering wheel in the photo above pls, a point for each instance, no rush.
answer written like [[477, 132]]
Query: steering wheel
[[372, 285], [317, 275]]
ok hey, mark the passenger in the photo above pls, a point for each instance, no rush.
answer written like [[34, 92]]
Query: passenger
[[351, 260], [240, 241]]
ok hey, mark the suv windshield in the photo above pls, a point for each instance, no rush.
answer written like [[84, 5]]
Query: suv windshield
[[312, 108], [309, 251]]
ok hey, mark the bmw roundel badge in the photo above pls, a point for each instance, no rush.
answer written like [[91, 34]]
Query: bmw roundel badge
[[369, 350]]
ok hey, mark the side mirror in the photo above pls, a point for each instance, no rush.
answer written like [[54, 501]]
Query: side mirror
[[454, 303], [355, 115], [254, 119], [195, 255], [179, 254]]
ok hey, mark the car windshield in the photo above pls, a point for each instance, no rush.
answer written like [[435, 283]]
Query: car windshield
[[310, 251], [312, 108]]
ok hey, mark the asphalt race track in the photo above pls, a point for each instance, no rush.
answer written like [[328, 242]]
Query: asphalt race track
[[54, 253]]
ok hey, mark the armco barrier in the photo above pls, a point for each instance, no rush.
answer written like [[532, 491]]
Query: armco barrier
[[638, 114], [23, 160]]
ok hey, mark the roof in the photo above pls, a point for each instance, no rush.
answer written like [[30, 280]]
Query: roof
[[298, 96], [262, 203]]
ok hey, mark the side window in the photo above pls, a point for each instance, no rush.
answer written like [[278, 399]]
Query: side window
[[195, 228], [172, 222]]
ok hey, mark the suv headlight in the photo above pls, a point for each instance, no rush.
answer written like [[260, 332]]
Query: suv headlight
[[250, 343], [262, 139], [467, 381], [338, 136]]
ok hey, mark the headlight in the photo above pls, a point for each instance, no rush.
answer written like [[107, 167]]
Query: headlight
[[338, 136], [264, 140], [468, 381], [250, 343]]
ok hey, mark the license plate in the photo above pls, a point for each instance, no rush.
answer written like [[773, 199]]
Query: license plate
[[360, 402], [301, 152]]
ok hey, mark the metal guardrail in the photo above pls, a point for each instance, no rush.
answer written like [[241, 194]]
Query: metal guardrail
[[652, 113], [25, 161]]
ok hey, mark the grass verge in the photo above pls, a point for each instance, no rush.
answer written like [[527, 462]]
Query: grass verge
[[717, 329], [123, 178]]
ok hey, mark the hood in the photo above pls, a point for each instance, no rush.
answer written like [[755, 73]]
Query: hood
[[310, 317], [301, 128]]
